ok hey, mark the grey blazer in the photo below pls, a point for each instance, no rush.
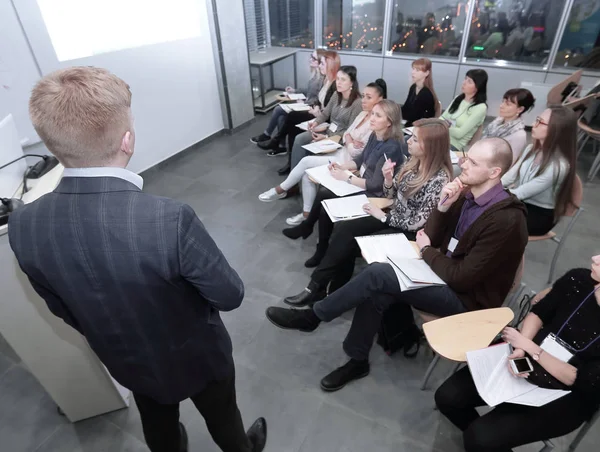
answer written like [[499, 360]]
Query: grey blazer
[[138, 275]]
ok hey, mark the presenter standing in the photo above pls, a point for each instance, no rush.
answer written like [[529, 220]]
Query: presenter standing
[[136, 274]]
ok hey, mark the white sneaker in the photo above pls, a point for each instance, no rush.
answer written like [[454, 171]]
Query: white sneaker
[[271, 195], [295, 220]]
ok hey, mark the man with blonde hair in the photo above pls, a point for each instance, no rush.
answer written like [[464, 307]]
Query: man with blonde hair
[[138, 275]]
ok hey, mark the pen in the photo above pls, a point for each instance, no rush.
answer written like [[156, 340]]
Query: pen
[[385, 156], [444, 200]]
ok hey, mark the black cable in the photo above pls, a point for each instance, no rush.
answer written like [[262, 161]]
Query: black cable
[[22, 157]]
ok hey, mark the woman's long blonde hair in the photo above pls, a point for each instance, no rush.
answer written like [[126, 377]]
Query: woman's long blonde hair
[[435, 142], [393, 113]]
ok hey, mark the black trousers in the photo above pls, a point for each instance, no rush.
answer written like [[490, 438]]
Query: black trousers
[[290, 130], [318, 214], [539, 220], [508, 425], [372, 292], [342, 250], [218, 406]]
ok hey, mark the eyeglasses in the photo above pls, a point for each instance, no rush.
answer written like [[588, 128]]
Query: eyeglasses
[[539, 121]]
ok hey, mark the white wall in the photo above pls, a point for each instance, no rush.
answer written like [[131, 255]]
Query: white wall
[[175, 92]]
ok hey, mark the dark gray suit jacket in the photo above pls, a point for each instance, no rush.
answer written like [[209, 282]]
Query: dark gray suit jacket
[[138, 275]]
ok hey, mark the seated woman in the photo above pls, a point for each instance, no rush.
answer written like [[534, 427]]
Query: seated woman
[[570, 312], [467, 111], [329, 66], [544, 175], [354, 142], [508, 124], [386, 140], [341, 111], [416, 192], [315, 83], [421, 101]]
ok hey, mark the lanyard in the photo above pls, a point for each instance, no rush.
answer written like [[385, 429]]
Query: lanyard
[[571, 316]]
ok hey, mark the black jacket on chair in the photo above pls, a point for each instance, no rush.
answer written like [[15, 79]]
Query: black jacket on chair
[[138, 275]]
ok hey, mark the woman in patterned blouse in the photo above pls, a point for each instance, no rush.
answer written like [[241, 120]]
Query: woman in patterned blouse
[[416, 191]]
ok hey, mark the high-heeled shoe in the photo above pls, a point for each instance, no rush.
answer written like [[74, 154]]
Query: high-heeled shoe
[[302, 230]]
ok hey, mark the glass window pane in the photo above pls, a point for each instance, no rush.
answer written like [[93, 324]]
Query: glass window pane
[[514, 30], [428, 27], [353, 24], [580, 44], [291, 23]]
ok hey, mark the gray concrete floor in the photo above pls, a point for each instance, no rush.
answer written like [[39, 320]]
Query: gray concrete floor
[[278, 371]]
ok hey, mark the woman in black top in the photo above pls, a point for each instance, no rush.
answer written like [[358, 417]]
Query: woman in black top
[[421, 101], [570, 311]]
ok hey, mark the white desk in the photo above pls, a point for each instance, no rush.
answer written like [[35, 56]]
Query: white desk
[[57, 355]]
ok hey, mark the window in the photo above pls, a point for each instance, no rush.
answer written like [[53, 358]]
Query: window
[[353, 24], [256, 25], [514, 30], [428, 27], [292, 23], [580, 44]]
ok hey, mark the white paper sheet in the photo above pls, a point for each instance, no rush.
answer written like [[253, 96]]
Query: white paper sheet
[[322, 175], [375, 248], [416, 270], [346, 208], [296, 96], [322, 147], [320, 128], [495, 384], [294, 107]]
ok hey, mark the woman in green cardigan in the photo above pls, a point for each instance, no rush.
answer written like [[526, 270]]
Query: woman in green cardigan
[[468, 110]]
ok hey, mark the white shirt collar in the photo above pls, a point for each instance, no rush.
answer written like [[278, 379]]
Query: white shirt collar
[[106, 171]]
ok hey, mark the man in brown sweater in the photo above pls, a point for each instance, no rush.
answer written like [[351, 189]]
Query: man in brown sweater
[[474, 242]]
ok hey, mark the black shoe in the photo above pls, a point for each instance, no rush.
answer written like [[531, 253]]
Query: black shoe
[[340, 377], [183, 439], [293, 319], [262, 137], [257, 434], [302, 230], [269, 144], [279, 152], [316, 258], [284, 171], [305, 298]]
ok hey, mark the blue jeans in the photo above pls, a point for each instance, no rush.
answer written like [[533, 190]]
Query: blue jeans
[[371, 292], [277, 120]]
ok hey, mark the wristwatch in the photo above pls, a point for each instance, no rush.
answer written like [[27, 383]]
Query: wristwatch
[[383, 219], [536, 356], [350, 178]]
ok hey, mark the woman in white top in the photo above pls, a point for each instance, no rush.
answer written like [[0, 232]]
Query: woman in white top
[[544, 175], [508, 124], [355, 138]]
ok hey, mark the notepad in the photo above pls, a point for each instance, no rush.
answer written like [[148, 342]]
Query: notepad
[[322, 147], [346, 208], [408, 130], [495, 384], [320, 128], [321, 175], [414, 273], [295, 96], [375, 248], [294, 107]]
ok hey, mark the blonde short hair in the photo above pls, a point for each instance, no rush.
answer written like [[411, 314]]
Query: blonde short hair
[[81, 114]]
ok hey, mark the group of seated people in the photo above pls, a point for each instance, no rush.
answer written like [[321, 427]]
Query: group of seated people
[[471, 229]]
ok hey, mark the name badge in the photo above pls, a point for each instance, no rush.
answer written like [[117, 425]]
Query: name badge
[[452, 244], [556, 347], [333, 127], [363, 168]]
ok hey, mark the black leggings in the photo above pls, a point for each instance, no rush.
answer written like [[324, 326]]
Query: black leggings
[[508, 425], [539, 220]]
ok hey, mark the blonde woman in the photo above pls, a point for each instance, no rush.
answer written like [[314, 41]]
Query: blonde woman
[[416, 192], [355, 139]]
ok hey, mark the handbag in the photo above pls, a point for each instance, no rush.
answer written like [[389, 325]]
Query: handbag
[[398, 330]]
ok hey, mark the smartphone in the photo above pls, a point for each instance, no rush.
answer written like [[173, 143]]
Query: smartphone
[[521, 365]]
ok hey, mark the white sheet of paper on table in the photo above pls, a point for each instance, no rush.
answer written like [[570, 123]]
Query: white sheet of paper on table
[[323, 146], [322, 175]]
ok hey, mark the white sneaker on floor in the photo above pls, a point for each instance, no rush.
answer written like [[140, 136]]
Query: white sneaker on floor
[[271, 195], [295, 220]]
